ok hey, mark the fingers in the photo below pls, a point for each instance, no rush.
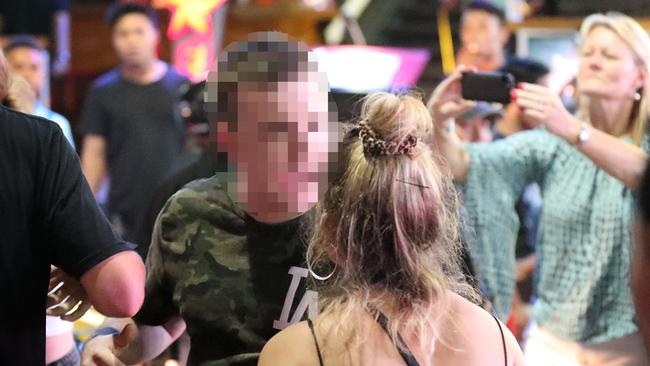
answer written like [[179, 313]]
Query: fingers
[[59, 310], [532, 104], [535, 115], [457, 75], [535, 88], [125, 337], [102, 357], [54, 299], [77, 313], [466, 68]]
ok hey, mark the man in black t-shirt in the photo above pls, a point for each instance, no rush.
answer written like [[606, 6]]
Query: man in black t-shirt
[[132, 128], [48, 216]]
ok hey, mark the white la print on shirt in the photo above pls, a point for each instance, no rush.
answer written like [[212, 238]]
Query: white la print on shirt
[[309, 300]]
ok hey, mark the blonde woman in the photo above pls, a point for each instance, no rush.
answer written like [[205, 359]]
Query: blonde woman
[[588, 166], [385, 253]]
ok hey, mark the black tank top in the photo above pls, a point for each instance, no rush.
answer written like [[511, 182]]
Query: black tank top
[[407, 356]]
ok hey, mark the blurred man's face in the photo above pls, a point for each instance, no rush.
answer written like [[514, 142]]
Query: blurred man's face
[[482, 34], [28, 63], [135, 39], [282, 147]]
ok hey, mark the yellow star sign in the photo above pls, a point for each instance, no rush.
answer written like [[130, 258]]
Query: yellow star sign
[[194, 15]]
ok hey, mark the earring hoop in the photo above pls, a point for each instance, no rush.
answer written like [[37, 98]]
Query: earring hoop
[[316, 276]]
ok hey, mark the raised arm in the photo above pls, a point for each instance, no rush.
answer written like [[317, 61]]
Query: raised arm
[[445, 104], [619, 159], [93, 160]]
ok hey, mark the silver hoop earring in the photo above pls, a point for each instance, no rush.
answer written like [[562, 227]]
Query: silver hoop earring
[[320, 278], [637, 96]]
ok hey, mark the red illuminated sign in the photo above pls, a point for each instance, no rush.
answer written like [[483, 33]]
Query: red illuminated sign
[[189, 15]]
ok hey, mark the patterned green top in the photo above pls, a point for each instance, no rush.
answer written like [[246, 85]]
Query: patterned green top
[[236, 282], [585, 237]]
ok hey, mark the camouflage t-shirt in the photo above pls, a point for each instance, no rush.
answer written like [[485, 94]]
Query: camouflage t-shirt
[[234, 281]]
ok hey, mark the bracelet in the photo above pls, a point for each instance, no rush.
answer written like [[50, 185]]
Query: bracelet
[[450, 126], [584, 135]]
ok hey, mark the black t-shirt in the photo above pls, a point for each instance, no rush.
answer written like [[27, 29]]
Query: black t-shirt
[[30, 16], [144, 134], [236, 282], [48, 215]]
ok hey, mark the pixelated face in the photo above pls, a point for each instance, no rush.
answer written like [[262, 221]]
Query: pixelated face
[[28, 63], [276, 125], [481, 33], [282, 147], [135, 38]]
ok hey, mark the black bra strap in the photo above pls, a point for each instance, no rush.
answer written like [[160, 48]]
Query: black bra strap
[[313, 333], [503, 340], [407, 356]]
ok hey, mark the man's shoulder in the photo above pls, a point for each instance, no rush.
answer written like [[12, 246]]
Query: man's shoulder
[[173, 79], [202, 199], [21, 124], [174, 74], [57, 118], [106, 81]]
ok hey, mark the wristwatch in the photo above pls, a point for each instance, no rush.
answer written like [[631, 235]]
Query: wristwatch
[[585, 134]]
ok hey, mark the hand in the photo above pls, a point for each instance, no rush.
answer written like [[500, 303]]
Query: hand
[[446, 101], [66, 296], [104, 350], [20, 95], [540, 105], [520, 315]]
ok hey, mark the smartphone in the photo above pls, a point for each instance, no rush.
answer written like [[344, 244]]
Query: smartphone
[[487, 86]]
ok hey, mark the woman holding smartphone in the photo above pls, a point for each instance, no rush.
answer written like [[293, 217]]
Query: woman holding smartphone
[[588, 166]]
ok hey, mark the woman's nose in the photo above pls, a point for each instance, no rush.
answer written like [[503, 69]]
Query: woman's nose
[[595, 62]]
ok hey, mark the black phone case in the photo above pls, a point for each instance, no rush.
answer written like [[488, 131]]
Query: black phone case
[[487, 86]]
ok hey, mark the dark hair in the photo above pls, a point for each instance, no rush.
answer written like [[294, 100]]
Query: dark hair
[[487, 7], [644, 196], [265, 57], [116, 12], [526, 71], [22, 41]]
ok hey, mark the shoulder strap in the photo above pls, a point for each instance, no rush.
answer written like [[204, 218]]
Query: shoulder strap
[[503, 340], [407, 356], [313, 333]]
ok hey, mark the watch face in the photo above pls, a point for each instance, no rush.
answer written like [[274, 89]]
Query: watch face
[[584, 135]]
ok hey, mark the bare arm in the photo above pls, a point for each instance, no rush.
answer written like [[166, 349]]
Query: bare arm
[[451, 148], [293, 337], [621, 160], [445, 104], [116, 285], [93, 160]]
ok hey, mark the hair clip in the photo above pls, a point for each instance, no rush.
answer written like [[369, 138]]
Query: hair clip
[[413, 184]]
